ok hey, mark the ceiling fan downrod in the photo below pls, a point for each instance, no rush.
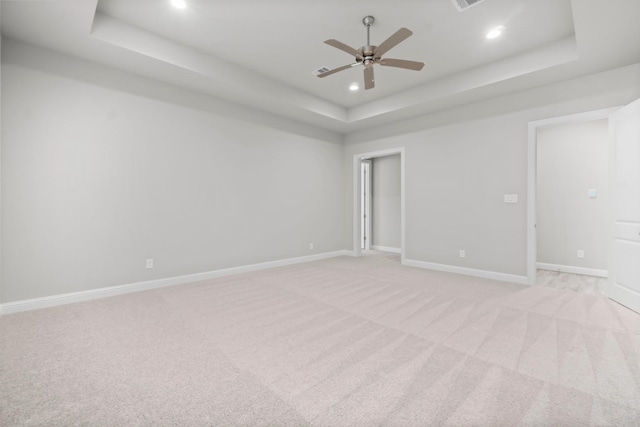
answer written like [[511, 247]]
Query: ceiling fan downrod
[[368, 21], [368, 51]]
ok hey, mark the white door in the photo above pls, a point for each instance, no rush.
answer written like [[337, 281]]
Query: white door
[[624, 268]]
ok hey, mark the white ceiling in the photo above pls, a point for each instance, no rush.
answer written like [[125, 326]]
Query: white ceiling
[[263, 53]]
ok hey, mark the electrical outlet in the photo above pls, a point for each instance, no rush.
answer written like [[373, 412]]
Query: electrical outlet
[[580, 253], [310, 245], [462, 253], [149, 263]]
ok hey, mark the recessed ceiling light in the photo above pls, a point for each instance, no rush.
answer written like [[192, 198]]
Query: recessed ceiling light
[[496, 32], [179, 4], [353, 87]]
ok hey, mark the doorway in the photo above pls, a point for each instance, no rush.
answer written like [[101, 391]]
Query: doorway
[[572, 203], [365, 204], [363, 218], [385, 204], [568, 218]]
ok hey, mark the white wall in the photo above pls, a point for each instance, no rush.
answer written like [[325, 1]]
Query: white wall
[[102, 170], [459, 163], [385, 201], [571, 159]]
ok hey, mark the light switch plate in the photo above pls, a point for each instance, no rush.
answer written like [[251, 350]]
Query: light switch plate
[[511, 198], [593, 192]]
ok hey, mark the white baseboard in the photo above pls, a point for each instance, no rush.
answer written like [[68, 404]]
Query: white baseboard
[[68, 298], [504, 277], [386, 249], [573, 270]]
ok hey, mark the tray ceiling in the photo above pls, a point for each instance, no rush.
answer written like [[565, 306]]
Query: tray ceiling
[[263, 53]]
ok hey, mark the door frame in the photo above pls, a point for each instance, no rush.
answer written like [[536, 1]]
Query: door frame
[[532, 176], [365, 212], [357, 159]]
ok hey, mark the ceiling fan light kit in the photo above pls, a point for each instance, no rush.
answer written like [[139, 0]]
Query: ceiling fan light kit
[[369, 55]]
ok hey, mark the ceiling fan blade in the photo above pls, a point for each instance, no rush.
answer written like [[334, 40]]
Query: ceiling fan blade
[[392, 41], [335, 70], [402, 63], [368, 78], [343, 47]]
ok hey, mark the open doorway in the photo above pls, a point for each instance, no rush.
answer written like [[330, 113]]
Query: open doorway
[[365, 204], [385, 204], [569, 203], [389, 202], [623, 284], [572, 206]]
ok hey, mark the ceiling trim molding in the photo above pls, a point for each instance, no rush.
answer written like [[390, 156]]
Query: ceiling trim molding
[[262, 92], [231, 81]]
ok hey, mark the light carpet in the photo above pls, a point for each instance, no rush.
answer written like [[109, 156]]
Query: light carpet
[[339, 342]]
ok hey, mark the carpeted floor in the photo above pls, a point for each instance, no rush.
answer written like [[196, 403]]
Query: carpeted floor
[[339, 342]]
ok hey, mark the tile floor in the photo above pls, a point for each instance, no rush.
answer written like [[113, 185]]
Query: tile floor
[[589, 285]]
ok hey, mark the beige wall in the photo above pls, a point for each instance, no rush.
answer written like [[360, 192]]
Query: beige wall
[[460, 163], [1, 286], [102, 170]]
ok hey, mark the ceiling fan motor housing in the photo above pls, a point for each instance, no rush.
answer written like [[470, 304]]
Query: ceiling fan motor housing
[[367, 50], [368, 58]]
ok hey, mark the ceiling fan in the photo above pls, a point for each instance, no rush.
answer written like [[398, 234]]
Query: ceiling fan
[[369, 55]]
